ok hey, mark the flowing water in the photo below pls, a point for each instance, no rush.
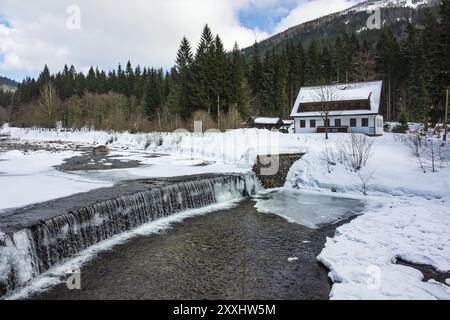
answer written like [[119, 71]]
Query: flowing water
[[263, 248], [35, 238], [235, 253]]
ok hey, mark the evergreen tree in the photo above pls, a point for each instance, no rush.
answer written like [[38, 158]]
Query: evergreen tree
[[44, 76], [113, 81], [387, 57], [255, 70], [326, 65], [183, 87], [313, 67], [91, 84], [153, 94], [128, 85], [121, 80], [413, 70], [295, 62], [273, 89], [237, 84], [443, 45], [203, 76], [220, 82]]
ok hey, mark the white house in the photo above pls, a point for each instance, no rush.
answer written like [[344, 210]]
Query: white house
[[352, 107]]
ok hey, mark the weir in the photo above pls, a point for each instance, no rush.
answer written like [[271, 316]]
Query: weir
[[35, 238]]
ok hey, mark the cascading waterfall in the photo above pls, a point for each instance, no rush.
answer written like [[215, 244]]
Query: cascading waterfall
[[29, 252]]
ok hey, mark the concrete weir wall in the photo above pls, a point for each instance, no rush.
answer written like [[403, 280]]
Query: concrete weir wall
[[272, 170], [35, 238]]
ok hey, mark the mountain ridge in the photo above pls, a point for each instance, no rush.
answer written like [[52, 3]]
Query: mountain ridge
[[7, 82], [394, 13]]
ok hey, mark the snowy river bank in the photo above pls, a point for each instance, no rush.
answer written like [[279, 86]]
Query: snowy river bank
[[407, 217]]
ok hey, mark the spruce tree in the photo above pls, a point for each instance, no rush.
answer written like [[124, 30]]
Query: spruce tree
[[220, 86], [313, 74], [153, 95], [183, 79], [44, 76], [387, 57], [255, 70], [273, 89], [91, 80], [129, 80], [203, 74], [413, 71], [237, 80], [295, 56], [443, 40]]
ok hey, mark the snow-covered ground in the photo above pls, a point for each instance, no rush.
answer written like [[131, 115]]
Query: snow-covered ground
[[407, 217], [236, 147], [23, 174], [30, 178]]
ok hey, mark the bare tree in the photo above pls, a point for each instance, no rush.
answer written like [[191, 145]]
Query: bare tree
[[444, 153], [417, 147], [327, 97], [433, 152], [328, 156], [49, 102], [355, 152], [365, 178]]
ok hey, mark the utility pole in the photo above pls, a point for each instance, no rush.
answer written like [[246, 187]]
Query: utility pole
[[446, 116], [218, 112]]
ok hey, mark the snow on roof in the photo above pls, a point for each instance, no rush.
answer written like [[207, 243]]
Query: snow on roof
[[264, 120], [286, 122], [341, 92]]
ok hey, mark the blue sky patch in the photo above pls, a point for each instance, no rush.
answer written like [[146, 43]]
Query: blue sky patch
[[266, 19], [4, 22]]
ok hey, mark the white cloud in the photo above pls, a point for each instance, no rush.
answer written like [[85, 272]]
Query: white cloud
[[146, 31]]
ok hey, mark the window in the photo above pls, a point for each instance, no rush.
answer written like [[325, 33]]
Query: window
[[365, 122], [353, 122], [312, 123], [302, 123], [326, 123], [337, 122]]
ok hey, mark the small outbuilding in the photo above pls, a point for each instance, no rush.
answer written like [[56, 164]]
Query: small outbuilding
[[352, 107], [287, 124], [265, 123]]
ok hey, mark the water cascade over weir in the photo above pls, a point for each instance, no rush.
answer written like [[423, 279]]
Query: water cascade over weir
[[29, 251]]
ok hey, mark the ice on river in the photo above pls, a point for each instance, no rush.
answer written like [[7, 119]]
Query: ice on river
[[308, 209]]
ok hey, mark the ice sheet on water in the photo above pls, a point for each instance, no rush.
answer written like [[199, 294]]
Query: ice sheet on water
[[307, 209]]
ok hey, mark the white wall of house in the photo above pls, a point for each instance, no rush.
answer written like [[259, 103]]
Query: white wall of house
[[375, 124]]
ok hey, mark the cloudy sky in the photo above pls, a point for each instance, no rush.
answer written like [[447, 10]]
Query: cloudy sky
[[148, 32]]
